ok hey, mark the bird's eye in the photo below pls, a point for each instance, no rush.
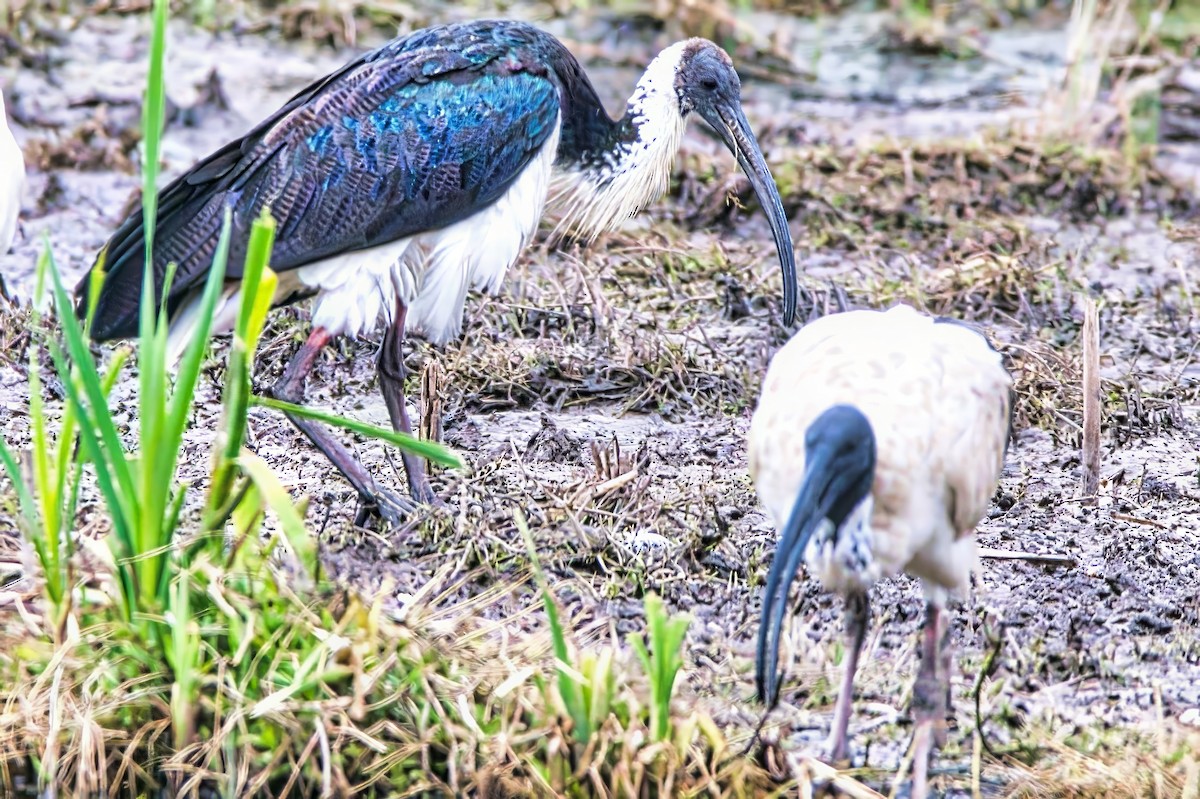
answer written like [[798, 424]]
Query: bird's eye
[[709, 83]]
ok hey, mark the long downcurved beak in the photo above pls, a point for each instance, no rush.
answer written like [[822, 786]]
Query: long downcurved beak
[[807, 517], [730, 124]]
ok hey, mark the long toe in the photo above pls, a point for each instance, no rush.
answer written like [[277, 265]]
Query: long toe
[[392, 507], [425, 495]]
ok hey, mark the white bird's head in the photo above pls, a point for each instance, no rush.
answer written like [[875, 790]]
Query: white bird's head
[[839, 470]]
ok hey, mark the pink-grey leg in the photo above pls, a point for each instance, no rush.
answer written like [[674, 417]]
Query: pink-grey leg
[[290, 388], [931, 697], [858, 617], [392, 374]]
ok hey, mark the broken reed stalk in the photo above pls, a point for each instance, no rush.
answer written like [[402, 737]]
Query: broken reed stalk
[[433, 383], [1091, 401], [1031, 557]]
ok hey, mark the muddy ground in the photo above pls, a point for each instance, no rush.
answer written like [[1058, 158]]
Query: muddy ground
[[897, 169]]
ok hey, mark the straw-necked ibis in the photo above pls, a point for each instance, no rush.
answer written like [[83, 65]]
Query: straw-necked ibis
[[876, 447], [416, 172], [12, 181]]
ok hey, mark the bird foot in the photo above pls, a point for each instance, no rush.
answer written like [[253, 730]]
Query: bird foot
[[390, 506], [930, 703], [423, 493], [839, 754]]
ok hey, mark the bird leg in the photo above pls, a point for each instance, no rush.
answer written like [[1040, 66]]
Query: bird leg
[[391, 384], [290, 388], [858, 616], [931, 698]]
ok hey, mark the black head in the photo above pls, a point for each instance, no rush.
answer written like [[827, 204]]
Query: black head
[[843, 440], [706, 79], [839, 470], [706, 82]]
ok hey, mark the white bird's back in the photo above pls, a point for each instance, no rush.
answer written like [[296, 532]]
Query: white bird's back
[[12, 181], [937, 397]]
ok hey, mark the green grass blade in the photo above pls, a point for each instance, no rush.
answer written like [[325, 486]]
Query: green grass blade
[[183, 397], [661, 660], [184, 657], [156, 456], [189, 368], [25, 500], [277, 498], [257, 294], [426, 449], [120, 540], [153, 115], [252, 314], [568, 676], [108, 453]]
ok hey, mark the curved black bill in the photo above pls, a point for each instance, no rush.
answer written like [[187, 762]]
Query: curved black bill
[[806, 517], [730, 123]]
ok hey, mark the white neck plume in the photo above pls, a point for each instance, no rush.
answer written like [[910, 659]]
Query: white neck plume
[[600, 196]]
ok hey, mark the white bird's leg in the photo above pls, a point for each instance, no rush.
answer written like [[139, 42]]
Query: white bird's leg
[[930, 699], [290, 388], [858, 616], [391, 385]]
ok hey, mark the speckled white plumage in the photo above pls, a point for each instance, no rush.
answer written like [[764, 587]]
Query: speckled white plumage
[[12, 181], [937, 398]]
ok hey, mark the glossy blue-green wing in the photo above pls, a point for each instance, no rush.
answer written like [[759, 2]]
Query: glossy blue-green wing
[[417, 135]]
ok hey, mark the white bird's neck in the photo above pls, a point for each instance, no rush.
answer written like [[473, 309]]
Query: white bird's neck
[[602, 190], [843, 557]]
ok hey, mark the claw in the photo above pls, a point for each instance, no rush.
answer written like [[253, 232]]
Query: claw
[[423, 493], [390, 506]]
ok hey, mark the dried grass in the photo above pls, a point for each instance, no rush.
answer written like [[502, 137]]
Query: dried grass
[[443, 701]]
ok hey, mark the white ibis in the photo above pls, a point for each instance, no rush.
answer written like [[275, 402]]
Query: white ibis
[[876, 447], [416, 172], [12, 181]]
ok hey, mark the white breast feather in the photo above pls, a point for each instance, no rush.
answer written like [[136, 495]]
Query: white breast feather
[[846, 559], [12, 182]]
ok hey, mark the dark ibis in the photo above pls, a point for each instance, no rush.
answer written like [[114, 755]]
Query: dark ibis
[[876, 447], [416, 172]]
